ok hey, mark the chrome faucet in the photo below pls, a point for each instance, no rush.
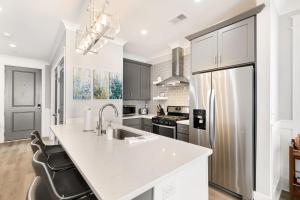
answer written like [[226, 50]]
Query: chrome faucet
[[99, 125]]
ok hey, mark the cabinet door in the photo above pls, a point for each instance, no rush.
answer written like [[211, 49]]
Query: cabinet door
[[131, 81], [236, 43], [204, 52], [133, 123], [145, 83]]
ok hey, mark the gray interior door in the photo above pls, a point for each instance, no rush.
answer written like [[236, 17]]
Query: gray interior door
[[232, 159], [22, 102]]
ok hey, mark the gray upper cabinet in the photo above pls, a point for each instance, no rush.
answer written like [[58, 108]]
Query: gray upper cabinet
[[136, 80], [131, 81], [236, 43], [204, 52], [145, 83], [232, 45]]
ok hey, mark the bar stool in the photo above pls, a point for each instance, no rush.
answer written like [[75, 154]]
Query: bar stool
[[55, 161], [39, 191], [49, 149], [34, 146], [64, 184]]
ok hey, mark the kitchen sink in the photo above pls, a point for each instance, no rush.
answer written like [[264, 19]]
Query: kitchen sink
[[121, 134]]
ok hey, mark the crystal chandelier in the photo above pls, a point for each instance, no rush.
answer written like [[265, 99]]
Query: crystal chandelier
[[98, 27]]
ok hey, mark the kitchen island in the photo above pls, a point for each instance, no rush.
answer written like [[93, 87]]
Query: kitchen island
[[116, 170]]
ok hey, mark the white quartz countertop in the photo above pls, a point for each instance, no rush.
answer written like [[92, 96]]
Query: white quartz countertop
[[119, 170], [149, 116], [184, 122]]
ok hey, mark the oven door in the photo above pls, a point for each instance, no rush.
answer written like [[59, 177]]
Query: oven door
[[168, 131]]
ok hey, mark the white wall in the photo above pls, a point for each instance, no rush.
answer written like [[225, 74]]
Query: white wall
[[289, 83], [268, 139], [29, 63], [110, 58]]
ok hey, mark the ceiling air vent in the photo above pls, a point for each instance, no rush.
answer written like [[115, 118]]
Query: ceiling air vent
[[178, 19]]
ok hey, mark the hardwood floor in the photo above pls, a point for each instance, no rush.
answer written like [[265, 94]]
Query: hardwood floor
[[16, 173]]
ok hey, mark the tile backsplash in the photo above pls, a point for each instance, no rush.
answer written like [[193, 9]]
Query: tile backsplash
[[177, 96]]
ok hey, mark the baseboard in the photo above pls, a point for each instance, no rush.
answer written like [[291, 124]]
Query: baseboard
[[277, 190], [260, 196], [284, 183]]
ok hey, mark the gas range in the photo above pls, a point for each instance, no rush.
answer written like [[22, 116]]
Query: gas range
[[175, 113]]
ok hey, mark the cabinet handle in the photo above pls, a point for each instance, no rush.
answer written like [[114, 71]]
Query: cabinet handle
[[220, 59], [216, 59]]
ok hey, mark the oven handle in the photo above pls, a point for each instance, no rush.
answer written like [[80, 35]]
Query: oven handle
[[170, 127]]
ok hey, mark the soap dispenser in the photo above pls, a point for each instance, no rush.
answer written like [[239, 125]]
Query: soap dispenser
[[109, 131]]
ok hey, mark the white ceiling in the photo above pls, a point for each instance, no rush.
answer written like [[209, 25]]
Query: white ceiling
[[154, 15], [34, 24]]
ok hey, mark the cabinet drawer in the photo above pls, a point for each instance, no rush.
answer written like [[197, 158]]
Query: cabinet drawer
[[183, 137], [181, 128], [132, 122], [148, 129]]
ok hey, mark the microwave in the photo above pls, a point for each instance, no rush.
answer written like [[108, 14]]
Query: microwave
[[129, 110]]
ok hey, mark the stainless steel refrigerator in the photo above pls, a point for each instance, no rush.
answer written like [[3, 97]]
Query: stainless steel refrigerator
[[222, 118]]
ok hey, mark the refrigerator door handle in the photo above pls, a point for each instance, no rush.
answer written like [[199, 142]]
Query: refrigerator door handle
[[212, 125]]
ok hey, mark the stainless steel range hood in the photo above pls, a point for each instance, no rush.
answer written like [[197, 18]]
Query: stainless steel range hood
[[177, 78]]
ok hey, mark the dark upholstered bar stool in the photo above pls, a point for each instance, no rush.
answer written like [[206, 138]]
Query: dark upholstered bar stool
[[49, 149], [38, 190], [55, 161], [64, 184]]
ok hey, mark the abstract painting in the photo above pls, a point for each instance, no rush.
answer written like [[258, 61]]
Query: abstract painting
[[115, 85], [82, 84], [100, 84]]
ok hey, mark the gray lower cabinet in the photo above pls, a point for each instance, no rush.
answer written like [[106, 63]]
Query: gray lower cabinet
[[147, 125], [133, 123], [183, 132], [136, 80], [139, 123], [229, 46], [148, 195]]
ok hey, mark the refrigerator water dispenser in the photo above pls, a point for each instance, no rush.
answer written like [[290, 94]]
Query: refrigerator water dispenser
[[199, 118]]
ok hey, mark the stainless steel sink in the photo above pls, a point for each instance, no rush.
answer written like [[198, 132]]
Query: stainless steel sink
[[121, 134]]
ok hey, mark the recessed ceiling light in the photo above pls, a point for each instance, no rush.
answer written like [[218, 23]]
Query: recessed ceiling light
[[197, 1], [6, 34], [144, 32], [1, 9], [12, 45]]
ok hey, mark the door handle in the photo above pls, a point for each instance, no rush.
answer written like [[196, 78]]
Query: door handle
[[212, 131], [54, 115], [39, 106]]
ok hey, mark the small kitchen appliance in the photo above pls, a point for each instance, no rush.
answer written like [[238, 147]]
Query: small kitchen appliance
[[129, 110], [144, 110]]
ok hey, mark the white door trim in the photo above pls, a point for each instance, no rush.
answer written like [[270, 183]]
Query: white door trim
[[296, 72]]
